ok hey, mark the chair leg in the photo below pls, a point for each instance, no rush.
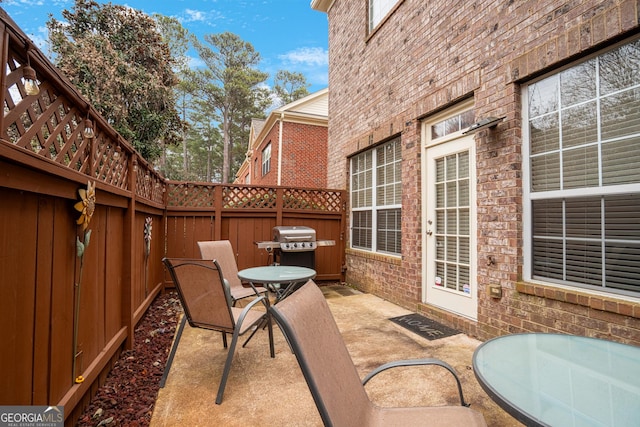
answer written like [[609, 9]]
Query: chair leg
[[260, 325], [227, 365], [270, 326], [224, 339]]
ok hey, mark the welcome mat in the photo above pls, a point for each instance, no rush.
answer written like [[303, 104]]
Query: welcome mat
[[424, 327]]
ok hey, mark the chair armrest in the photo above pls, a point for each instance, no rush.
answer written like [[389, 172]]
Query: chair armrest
[[418, 362], [248, 307]]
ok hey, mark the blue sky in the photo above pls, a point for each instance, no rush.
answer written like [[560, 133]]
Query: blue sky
[[288, 34]]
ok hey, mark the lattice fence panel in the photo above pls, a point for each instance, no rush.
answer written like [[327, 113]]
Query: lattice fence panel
[[304, 199], [149, 185], [190, 195], [249, 198], [46, 124], [110, 163]]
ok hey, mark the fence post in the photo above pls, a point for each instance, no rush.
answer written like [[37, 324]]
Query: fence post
[[4, 54], [218, 195], [127, 253], [279, 204]]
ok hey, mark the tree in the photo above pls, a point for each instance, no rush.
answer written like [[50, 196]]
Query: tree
[[289, 86], [179, 39], [116, 57], [233, 85]]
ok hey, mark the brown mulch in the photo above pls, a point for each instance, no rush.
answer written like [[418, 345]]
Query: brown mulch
[[129, 393]]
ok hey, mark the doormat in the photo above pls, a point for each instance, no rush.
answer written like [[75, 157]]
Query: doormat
[[424, 327]]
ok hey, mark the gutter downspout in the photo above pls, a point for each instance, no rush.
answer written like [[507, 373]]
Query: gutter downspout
[[280, 150]]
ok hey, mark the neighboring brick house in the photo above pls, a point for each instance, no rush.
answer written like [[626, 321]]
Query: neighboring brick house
[[531, 223], [289, 148]]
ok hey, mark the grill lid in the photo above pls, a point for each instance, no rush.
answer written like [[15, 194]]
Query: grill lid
[[295, 233]]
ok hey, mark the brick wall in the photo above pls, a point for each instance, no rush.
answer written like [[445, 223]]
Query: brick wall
[[271, 178], [426, 57], [304, 150]]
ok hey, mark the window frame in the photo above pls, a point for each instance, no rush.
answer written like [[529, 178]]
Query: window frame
[[374, 208], [600, 193], [373, 27], [266, 159]]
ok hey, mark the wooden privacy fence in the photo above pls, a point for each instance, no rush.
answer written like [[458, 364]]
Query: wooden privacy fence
[[66, 313], [246, 215]]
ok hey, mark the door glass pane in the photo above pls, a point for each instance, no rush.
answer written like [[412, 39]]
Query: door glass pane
[[451, 281], [451, 167], [440, 195], [463, 165], [463, 193], [452, 221], [439, 279], [452, 194]]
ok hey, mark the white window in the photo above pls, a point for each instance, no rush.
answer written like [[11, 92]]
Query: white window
[[376, 198], [582, 151], [378, 9], [266, 159]]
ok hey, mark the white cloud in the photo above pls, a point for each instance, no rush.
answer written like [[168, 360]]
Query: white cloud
[[195, 62], [194, 15], [309, 56]]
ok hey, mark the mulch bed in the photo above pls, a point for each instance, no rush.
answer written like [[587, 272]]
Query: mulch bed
[[129, 393]]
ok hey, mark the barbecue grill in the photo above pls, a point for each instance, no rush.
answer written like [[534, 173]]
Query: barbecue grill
[[294, 245]]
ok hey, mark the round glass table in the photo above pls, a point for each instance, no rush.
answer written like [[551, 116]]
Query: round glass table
[[561, 380], [282, 280]]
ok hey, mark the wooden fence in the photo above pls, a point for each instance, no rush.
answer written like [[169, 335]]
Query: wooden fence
[[67, 317]]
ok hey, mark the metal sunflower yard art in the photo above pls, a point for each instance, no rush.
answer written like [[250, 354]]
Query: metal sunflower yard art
[[86, 206], [148, 225]]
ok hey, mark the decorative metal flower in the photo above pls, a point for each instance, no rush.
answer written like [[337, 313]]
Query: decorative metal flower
[[148, 225], [87, 205]]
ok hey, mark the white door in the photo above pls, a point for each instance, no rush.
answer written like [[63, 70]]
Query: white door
[[449, 226]]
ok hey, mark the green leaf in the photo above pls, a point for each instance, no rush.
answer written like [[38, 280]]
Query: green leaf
[[79, 247], [87, 238]]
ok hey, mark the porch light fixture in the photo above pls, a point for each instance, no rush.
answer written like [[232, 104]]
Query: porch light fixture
[[489, 122], [30, 82], [88, 129]]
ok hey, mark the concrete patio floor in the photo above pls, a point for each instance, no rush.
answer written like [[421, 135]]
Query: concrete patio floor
[[262, 391]]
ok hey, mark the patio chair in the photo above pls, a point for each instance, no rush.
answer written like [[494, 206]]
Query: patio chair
[[222, 251], [340, 396], [206, 305]]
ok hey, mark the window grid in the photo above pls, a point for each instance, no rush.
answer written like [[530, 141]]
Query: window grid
[[584, 147], [452, 232], [376, 198]]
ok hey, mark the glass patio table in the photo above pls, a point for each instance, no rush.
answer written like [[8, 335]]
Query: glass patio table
[[282, 280], [561, 380]]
